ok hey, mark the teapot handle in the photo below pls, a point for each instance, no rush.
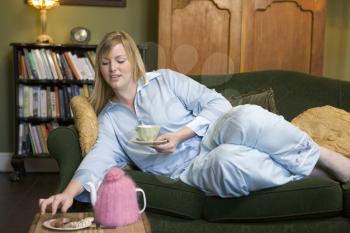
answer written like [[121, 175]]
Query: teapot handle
[[144, 199]]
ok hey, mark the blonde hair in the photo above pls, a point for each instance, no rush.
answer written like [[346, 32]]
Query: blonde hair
[[102, 92]]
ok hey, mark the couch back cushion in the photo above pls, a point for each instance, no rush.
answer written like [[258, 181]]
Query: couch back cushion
[[346, 199], [294, 92]]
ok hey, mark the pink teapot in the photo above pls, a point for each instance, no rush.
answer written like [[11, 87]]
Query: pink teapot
[[115, 202]]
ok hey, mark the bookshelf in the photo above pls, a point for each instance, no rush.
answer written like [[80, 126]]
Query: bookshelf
[[46, 77]]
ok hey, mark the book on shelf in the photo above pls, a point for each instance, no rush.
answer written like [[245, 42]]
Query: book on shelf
[[57, 65], [43, 103], [33, 143], [92, 57], [33, 138], [47, 70], [20, 105], [39, 63], [31, 65], [70, 60], [48, 102], [53, 104], [46, 54], [68, 71], [20, 138], [58, 103]]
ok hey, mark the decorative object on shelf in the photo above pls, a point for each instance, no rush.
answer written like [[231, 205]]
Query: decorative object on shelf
[[111, 3], [43, 6], [80, 35]]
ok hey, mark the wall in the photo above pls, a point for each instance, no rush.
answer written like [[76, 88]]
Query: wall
[[21, 23], [337, 47]]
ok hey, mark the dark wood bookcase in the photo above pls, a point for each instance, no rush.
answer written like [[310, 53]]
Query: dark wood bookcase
[[26, 145]]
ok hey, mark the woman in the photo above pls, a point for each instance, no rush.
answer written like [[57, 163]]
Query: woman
[[221, 150]]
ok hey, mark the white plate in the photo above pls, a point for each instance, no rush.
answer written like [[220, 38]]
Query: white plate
[[49, 224], [149, 143]]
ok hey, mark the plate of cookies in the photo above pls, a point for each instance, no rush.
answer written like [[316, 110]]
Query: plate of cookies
[[68, 224]]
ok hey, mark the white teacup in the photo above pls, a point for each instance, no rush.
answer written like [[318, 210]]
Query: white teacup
[[147, 133]]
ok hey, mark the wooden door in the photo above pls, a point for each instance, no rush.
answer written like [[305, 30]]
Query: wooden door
[[283, 35], [199, 36]]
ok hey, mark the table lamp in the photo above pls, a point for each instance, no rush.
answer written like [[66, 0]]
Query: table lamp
[[43, 6]]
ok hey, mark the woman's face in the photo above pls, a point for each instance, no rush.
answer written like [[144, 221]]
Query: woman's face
[[116, 69]]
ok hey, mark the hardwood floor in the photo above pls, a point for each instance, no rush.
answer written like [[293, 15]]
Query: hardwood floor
[[19, 200]]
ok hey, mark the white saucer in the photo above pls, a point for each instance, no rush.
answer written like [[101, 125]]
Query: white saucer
[[49, 224], [149, 143]]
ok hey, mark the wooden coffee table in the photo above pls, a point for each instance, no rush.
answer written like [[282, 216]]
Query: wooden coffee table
[[141, 226]]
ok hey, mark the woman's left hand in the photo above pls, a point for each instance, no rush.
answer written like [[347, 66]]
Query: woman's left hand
[[172, 139]]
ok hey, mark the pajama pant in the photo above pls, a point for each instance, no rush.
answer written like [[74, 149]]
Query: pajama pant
[[250, 149]]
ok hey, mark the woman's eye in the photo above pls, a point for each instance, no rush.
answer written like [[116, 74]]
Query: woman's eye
[[120, 61], [104, 63]]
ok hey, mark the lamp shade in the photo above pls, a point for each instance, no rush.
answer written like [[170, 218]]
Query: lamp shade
[[43, 4]]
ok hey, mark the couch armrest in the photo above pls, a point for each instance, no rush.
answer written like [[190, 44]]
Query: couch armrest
[[63, 145]]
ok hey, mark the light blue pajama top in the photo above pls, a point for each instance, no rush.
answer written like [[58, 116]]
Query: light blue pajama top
[[167, 98]]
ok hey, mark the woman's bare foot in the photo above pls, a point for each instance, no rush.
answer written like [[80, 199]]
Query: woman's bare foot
[[334, 163], [319, 172]]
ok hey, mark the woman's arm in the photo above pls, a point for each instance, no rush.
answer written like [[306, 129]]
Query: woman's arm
[[206, 105], [105, 154]]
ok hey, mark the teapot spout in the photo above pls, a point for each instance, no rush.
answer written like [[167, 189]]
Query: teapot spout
[[93, 192]]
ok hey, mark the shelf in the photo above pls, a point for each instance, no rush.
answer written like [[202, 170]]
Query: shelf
[[55, 82], [31, 156], [44, 120], [63, 46]]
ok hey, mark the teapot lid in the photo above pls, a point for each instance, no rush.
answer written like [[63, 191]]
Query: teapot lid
[[114, 174]]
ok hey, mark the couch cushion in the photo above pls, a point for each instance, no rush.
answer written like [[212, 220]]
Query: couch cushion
[[262, 97], [308, 197], [85, 121], [168, 196], [328, 127], [346, 199]]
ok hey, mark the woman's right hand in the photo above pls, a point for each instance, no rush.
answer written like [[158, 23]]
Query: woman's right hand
[[59, 201], [62, 200]]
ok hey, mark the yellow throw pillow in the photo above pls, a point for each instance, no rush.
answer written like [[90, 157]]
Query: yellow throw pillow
[[85, 121], [328, 126]]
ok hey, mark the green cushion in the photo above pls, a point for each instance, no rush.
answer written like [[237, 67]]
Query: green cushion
[[308, 197], [346, 199], [262, 97], [168, 196]]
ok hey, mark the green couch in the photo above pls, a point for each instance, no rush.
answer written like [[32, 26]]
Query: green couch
[[309, 205]]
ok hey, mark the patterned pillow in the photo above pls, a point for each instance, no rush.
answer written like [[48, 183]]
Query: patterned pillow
[[328, 126], [85, 121], [262, 97]]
